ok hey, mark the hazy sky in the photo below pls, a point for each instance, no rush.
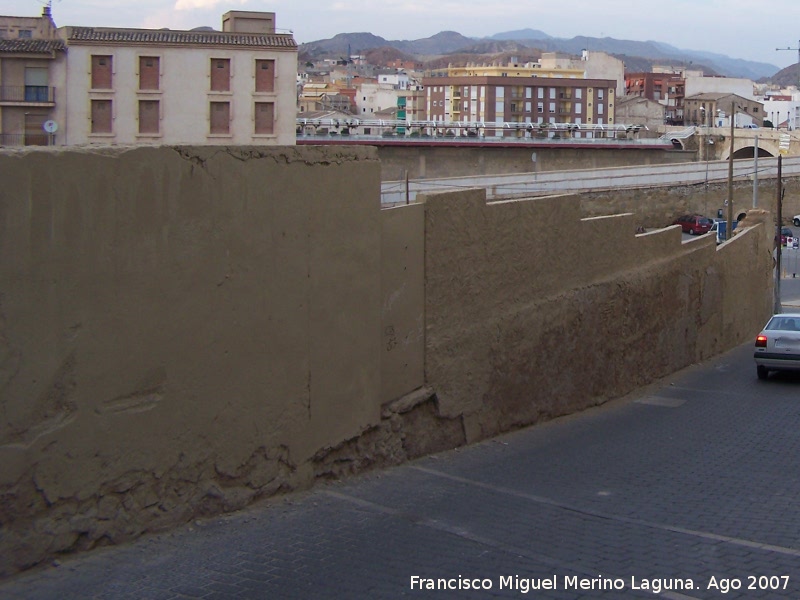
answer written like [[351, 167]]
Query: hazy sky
[[737, 28]]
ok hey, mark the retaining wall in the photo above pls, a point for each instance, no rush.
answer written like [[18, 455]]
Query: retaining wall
[[186, 330]]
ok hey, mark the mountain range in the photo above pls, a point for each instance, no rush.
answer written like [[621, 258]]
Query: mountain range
[[533, 42]]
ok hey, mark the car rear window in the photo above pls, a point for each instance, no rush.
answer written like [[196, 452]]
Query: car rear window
[[705, 221], [784, 324]]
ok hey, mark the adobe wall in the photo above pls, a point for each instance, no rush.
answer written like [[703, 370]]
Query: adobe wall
[[186, 330], [181, 330], [526, 323], [658, 206]]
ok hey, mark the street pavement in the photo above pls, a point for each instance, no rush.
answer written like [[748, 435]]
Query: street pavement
[[688, 487]]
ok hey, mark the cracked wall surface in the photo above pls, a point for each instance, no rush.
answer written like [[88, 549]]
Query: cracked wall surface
[[525, 323], [184, 331], [181, 330]]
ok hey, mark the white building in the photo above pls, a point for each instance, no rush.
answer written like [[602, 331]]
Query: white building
[[141, 86], [374, 97], [398, 80], [783, 110], [719, 85], [595, 65]]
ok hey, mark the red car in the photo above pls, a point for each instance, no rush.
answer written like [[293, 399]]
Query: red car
[[694, 224]]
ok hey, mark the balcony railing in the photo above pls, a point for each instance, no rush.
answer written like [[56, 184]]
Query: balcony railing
[[27, 93], [24, 139]]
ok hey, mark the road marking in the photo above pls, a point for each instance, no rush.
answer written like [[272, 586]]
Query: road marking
[[607, 516], [483, 540], [661, 401]]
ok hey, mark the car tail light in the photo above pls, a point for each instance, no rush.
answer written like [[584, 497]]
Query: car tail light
[[761, 341]]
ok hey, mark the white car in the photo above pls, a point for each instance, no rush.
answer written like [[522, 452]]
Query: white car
[[796, 220], [778, 345]]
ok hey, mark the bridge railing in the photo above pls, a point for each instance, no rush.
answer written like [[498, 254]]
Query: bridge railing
[[550, 182]]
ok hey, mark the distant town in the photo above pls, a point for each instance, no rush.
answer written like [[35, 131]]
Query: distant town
[[243, 84]]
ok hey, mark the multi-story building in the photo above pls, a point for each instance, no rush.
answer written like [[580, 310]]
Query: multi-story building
[[141, 86], [316, 96], [593, 65], [666, 88], [30, 61], [495, 102], [374, 97], [515, 69], [782, 109], [138, 86], [700, 84], [637, 110], [715, 109]]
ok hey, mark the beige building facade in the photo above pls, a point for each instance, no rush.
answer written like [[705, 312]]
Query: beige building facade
[[133, 86], [109, 86], [496, 103], [30, 59]]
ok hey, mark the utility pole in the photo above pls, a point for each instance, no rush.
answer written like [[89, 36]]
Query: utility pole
[[779, 206], [755, 173]]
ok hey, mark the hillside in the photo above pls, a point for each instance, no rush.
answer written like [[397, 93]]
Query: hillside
[[788, 76], [637, 55]]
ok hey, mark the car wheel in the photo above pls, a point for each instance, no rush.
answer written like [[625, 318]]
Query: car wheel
[[796, 222], [691, 232], [762, 372]]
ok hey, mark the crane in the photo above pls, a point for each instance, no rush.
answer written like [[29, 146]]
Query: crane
[[798, 50]]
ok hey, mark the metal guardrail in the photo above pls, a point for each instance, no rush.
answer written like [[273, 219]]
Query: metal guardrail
[[680, 135], [24, 139], [551, 182], [483, 130], [27, 93]]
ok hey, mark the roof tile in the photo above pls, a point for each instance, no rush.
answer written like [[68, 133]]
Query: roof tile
[[32, 46], [166, 36]]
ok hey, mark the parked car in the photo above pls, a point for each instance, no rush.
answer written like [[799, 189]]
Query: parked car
[[694, 224], [786, 233], [778, 345], [720, 229], [796, 220]]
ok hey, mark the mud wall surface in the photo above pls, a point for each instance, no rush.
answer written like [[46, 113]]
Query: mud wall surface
[[525, 322], [658, 206], [181, 329], [186, 330]]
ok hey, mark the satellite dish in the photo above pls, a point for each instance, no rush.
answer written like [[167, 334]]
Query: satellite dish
[[50, 126]]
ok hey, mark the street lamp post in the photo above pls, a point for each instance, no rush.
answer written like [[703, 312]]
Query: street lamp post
[[704, 130], [729, 223]]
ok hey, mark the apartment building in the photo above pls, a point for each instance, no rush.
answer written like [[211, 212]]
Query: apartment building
[[139, 86], [668, 89], [495, 101], [714, 110], [30, 60]]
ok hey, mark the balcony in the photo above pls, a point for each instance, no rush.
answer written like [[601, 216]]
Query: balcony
[[27, 95], [24, 139]]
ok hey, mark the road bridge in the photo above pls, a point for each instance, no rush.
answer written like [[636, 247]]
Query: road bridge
[[533, 183], [714, 143]]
